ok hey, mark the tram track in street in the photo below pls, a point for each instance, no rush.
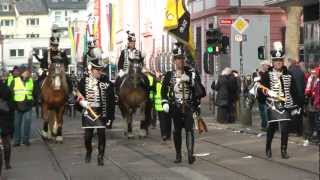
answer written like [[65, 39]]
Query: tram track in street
[[260, 157], [168, 163], [54, 158]]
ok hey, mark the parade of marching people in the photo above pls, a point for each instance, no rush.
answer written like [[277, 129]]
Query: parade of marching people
[[174, 89]]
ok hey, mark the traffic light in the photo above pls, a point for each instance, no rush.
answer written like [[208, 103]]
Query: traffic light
[[214, 37], [208, 63], [261, 52], [225, 44]]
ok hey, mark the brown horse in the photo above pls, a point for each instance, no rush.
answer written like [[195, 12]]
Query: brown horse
[[133, 95], [54, 92]]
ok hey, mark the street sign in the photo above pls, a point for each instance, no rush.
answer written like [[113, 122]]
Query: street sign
[[240, 25], [238, 37], [225, 21]]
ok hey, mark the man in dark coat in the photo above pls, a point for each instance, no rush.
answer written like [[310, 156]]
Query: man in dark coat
[[300, 85], [6, 122]]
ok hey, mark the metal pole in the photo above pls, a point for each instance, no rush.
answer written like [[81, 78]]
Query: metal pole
[[240, 44], [1, 43]]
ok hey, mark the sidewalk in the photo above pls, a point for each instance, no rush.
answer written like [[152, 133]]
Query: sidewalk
[[237, 127]]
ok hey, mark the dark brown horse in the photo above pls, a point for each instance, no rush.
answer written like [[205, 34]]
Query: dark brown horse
[[54, 92], [133, 95]]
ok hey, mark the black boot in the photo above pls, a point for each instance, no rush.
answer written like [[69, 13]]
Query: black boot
[[7, 154], [270, 133], [177, 144], [88, 157], [284, 153], [268, 148], [87, 142], [190, 146], [100, 160], [268, 151], [101, 146]]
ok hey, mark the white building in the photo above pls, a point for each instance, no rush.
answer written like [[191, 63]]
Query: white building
[[21, 24]]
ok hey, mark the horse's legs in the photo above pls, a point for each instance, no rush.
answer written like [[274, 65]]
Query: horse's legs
[[45, 117], [59, 120], [129, 122], [146, 122]]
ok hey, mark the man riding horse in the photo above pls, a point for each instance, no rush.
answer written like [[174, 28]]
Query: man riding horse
[[47, 55], [124, 62]]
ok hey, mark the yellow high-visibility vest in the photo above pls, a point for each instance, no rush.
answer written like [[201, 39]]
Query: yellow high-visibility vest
[[22, 91], [9, 79], [158, 98]]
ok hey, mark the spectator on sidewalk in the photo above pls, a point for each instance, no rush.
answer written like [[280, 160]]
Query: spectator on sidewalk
[[6, 121], [23, 96], [224, 98], [264, 66], [298, 77], [310, 109]]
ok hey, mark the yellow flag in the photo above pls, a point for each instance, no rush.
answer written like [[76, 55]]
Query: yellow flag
[[171, 19], [177, 23]]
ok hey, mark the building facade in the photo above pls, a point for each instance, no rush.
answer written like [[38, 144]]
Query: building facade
[[310, 40], [265, 26], [26, 26], [20, 26]]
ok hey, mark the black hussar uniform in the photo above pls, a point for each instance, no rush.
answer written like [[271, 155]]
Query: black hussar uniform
[[179, 95], [281, 85], [99, 94], [124, 63]]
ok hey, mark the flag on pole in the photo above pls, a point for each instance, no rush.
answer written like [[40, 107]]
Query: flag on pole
[[71, 37], [177, 23]]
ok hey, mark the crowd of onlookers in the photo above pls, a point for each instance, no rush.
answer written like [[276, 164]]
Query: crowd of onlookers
[[229, 88]]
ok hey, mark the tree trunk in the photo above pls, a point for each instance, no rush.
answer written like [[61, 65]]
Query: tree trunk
[[293, 32]]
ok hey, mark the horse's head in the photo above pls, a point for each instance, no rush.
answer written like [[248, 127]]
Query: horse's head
[[56, 75]]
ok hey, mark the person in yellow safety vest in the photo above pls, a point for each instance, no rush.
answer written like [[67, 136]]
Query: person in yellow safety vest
[[14, 73], [152, 89], [23, 95], [164, 118]]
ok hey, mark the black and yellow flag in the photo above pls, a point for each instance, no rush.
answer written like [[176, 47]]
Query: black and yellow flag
[[177, 23]]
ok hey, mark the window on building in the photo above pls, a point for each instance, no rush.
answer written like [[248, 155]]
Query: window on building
[[54, 1], [8, 36], [20, 52], [75, 11], [13, 52], [4, 7], [33, 21], [57, 16], [32, 35], [16, 52], [7, 22]]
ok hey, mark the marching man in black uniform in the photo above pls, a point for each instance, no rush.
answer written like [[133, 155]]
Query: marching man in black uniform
[[96, 96], [177, 99], [280, 92]]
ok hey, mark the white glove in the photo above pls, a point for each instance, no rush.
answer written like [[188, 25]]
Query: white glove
[[185, 78], [121, 73], [256, 79], [165, 107], [272, 93], [40, 71], [84, 103]]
